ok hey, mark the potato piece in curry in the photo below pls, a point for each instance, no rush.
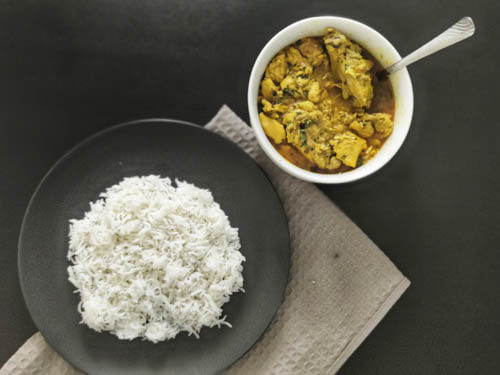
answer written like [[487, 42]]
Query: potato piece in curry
[[322, 106]]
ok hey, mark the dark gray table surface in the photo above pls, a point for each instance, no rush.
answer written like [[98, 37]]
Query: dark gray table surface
[[71, 68]]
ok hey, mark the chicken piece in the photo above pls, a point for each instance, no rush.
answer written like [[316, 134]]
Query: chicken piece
[[278, 68], [266, 105], [320, 153], [302, 115], [307, 131], [309, 47], [333, 163], [289, 118], [342, 117], [269, 107], [294, 57], [326, 106], [299, 65], [381, 122], [324, 160], [314, 94], [272, 128], [348, 146], [312, 50], [303, 80], [288, 83], [307, 106], [290, 87], [364, 129], [306, 137], [269, 89], [339, 128], [349, 67], [340, 121]]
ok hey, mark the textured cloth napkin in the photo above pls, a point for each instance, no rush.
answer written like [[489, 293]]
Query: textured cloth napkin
[[340, 285]]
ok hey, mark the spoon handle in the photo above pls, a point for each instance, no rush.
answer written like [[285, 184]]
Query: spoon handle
[[459, 31]]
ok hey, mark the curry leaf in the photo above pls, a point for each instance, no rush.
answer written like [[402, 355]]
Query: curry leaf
[[303, 137], [359, 163]]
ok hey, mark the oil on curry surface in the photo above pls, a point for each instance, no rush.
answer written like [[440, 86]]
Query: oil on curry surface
[[322, 106]]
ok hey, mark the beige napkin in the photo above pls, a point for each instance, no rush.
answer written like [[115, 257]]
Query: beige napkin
[[341, 285]]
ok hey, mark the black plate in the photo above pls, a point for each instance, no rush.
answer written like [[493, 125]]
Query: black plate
[[167, 148]]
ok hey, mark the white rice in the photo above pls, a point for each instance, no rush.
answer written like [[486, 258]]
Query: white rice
[[151, 260]]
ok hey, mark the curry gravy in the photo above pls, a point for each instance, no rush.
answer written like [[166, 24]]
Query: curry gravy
[[382, 102]]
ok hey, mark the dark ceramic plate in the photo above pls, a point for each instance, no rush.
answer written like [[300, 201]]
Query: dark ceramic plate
[[167, 148]]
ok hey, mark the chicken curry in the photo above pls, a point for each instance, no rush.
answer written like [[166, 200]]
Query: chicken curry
[[322, 106]]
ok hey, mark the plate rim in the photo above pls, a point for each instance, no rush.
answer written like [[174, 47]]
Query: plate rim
[[110, 129]]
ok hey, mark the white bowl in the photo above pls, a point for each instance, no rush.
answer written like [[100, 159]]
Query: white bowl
[[374, 43]]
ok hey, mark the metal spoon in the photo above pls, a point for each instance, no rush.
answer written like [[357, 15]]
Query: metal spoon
[[459, 31]]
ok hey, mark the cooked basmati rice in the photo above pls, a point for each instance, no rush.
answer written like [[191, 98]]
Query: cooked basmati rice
[[151, 260]]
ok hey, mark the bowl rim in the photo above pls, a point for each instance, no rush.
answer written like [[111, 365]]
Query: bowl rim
[[268, 148]]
